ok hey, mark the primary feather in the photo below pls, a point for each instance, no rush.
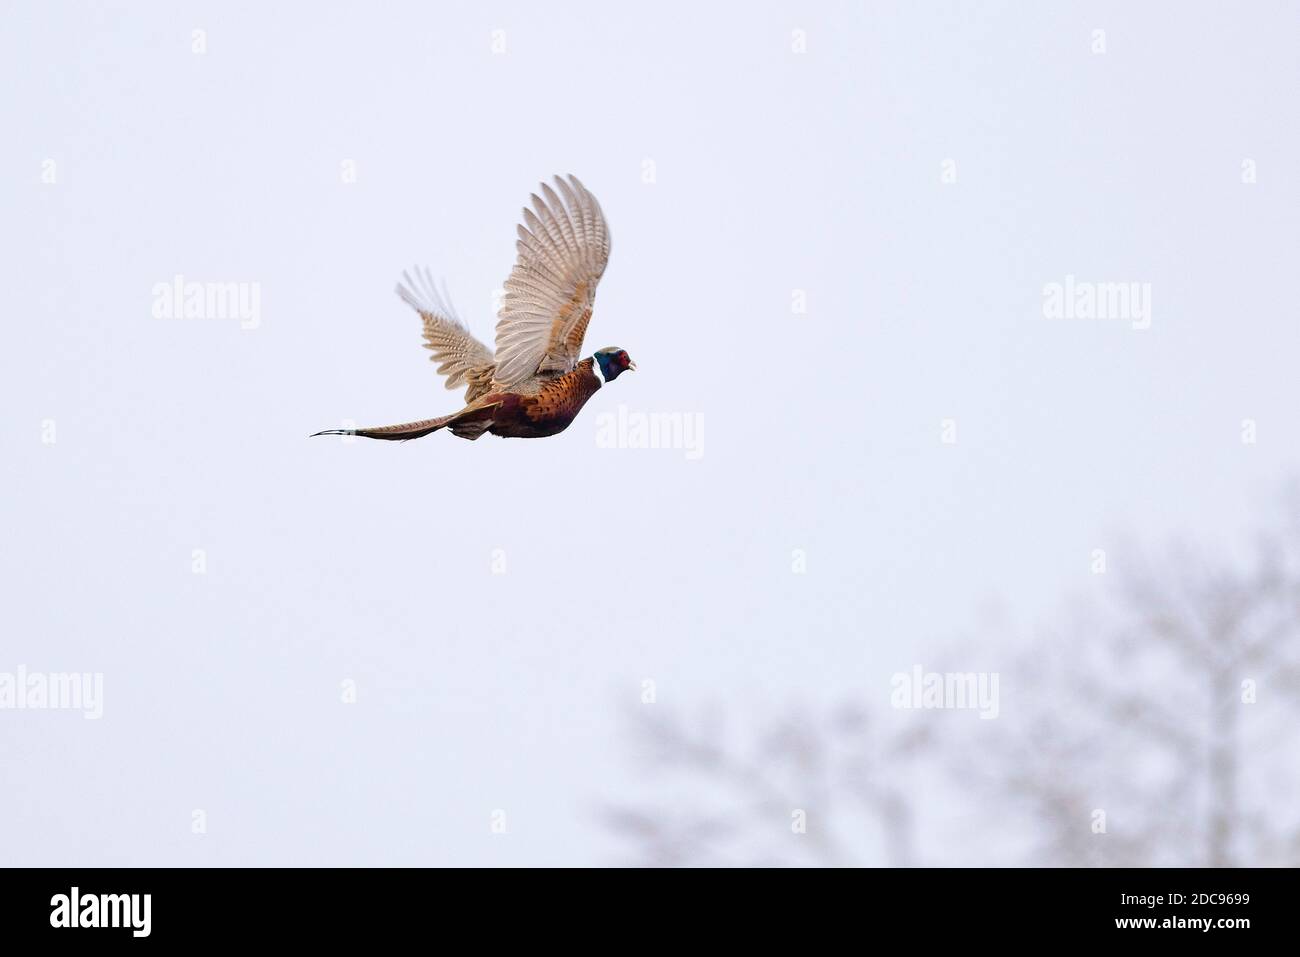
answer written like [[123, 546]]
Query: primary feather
[[563, 248], [464, 360]]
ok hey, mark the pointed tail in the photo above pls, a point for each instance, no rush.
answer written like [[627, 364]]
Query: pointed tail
[[398, 433]]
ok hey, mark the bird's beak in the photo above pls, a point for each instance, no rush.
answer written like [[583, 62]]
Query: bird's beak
[[631, 365]]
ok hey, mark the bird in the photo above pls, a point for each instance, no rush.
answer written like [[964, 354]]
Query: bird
[[535, 384]]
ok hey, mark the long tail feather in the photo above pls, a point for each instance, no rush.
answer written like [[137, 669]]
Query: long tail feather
[[400, 433]]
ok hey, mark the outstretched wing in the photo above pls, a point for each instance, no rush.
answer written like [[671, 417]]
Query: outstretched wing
[[464, 360], [563, 248]]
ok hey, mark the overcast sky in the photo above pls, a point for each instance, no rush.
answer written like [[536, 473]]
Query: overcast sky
[[832, 228]]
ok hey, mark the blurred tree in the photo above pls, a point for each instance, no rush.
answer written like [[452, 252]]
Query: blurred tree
[[801, 793], [1155, 725]]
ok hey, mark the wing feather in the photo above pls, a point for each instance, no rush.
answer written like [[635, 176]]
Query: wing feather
[[563, 248], [462, 359]]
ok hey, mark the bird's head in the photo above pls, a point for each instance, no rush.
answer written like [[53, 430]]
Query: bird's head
[[614, 362]]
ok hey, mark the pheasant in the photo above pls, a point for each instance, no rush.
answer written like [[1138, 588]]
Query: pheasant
[[535, 385]]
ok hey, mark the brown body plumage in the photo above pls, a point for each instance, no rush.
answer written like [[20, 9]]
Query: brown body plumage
[[534, 385], [511, 415]]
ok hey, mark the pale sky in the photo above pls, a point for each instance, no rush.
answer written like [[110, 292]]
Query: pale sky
[[744, 167]]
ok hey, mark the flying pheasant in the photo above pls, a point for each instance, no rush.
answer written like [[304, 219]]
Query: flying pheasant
[[535, 385]]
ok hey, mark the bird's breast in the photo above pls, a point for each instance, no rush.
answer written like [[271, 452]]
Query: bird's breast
[[551, 406]]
